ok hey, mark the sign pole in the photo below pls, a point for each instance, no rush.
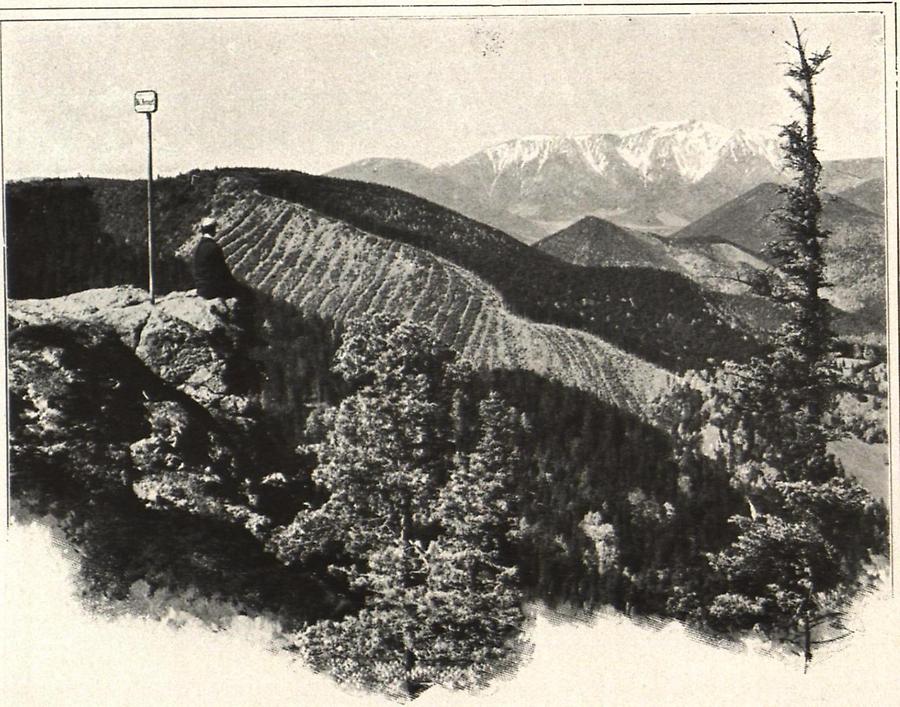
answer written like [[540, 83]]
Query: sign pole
[[150, 204], [146, 102]]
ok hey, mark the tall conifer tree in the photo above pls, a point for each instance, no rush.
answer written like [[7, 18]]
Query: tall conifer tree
[[800, 554], [799, 372]]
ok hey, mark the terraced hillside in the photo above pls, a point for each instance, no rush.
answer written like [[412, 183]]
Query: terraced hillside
[[326, 267], [662, 317]]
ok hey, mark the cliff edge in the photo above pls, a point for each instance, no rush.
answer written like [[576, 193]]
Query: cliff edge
[[162, 399]]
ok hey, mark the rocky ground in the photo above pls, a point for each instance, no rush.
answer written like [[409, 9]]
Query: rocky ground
[[161, 398]]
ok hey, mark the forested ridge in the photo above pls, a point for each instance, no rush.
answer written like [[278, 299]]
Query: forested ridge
[[618, 304], [92, 235], [327, 268], [598, 510]]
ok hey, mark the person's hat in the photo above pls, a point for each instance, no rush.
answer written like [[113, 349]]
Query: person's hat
[[208, 224]]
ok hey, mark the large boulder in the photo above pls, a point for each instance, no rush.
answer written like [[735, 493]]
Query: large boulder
[[201, 347]]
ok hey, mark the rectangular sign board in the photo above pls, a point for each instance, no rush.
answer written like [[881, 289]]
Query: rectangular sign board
[[145, 101]]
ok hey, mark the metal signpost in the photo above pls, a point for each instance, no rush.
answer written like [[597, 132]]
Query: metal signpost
[[146, 102]]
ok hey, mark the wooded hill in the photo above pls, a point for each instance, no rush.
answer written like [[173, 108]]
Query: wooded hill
[[123, 427], [854, 248], [594, 241], [65, 235]]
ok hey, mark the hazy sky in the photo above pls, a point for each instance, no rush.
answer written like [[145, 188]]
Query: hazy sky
[[314, 94]]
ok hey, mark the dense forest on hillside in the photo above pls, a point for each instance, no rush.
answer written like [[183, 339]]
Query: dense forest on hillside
[[94, 235], [592, 477], [591, 464], [67, 235]]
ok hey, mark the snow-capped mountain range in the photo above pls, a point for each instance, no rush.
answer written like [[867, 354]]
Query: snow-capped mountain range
[[692, 149], [664, 173], [658, 178]]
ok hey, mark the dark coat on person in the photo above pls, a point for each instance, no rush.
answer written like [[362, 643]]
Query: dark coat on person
[[212, 276]]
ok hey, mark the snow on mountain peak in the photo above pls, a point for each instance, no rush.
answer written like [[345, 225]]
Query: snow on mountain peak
[[515, 153], [756, 142], [690, 149]]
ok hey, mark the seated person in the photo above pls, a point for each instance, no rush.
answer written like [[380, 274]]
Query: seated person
[[212, 276]]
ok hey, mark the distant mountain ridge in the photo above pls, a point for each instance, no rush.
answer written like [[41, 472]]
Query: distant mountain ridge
[[840, 175], [656, 178], [747, 220], [649, 177], [441, 189], [854, 250], [718, 266], [722, 251], [712, 261], [688, 151], [869, 194]]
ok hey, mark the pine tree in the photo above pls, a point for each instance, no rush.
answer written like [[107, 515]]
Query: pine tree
[[800, 553], [798, 373], [475, 604], [423, 524]]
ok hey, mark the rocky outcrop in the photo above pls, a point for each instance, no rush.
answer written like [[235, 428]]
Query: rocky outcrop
[[160, 398]]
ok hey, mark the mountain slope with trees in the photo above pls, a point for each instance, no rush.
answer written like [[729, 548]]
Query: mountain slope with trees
[[325, 267], [853, 251], [869, 195], [633, 309], [617, 304], [716, 265], [807, 539], [181, 483], [315, 264], [593, 242]]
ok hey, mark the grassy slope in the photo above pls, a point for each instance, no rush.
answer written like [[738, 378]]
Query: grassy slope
[[867, 462]]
